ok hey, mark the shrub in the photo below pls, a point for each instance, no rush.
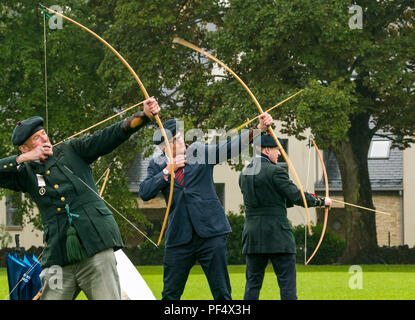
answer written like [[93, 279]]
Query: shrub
[[331, 249], [329, 252], [234, 240], [146, 253]]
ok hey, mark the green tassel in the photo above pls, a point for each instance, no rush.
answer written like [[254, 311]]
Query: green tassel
[[74, 250]]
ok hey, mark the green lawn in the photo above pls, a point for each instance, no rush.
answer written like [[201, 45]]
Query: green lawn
[[379, 282]]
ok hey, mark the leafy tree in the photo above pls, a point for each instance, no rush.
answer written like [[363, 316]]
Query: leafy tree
[[234, 239], [77, 95], [144, 31], [357, 80]]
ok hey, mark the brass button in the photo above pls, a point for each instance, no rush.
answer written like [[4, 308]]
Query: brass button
[[5, 166], [48, 172], [59, 209], [63, 199], [56, 186], [11, 164]]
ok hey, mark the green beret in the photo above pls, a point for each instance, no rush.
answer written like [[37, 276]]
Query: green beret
[[171, 127], [25, 129], [265, 140]]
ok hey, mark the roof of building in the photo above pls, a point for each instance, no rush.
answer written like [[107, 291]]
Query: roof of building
[[137, 172], [386, 174]]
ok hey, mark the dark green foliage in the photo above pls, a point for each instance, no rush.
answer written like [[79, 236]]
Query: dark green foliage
[[77, 95], [146, 253], [330, 249], [234, 240]]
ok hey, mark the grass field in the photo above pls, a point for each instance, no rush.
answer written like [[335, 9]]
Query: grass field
[[378, 282]]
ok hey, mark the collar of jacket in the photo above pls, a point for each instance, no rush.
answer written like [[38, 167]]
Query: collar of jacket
[[261, 155]]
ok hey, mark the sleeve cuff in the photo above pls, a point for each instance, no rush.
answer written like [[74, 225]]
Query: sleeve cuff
[[319, 202], [9, 163], [159, 179]]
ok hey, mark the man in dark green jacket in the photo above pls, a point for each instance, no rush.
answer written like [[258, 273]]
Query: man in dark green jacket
[[267, 235], [80, 232]]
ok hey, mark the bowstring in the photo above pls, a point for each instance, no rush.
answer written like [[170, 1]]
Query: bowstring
[[46, 72], [305, 222], [114, 209]]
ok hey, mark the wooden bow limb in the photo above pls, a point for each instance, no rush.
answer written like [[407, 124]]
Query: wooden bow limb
[[37, 296], [143, 89], [326, 210], [284, 154], [105, 182], [272, 108]]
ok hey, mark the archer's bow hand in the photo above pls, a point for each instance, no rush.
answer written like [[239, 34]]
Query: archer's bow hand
[[265, 120], [151, 107], [322, 201], [328, 202], [140, 118]]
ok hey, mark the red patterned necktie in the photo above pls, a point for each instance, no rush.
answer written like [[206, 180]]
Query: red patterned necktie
[[179, 176]]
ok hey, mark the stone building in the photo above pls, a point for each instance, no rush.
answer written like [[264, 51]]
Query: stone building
[[386, 171]]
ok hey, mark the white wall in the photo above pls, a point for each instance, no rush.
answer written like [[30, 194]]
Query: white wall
[[409, 196]]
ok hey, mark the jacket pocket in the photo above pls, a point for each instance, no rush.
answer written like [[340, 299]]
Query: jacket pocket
[[102, 209], [286, 226], [288, 233]]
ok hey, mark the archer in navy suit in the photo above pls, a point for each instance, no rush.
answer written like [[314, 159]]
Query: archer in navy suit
[[197, 225]]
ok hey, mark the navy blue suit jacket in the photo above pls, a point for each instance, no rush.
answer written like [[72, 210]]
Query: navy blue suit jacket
[[195, 205]]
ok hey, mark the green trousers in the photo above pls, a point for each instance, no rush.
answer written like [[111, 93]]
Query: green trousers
[[96, 276]]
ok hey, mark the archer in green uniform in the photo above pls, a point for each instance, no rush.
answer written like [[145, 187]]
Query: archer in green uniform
[[79, 231], [268, 192]]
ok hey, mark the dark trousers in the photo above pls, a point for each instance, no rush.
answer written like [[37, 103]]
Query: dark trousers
[[284, 268], [211, 253]]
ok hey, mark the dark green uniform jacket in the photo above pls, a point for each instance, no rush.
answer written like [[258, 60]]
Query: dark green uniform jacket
[[95, 225], [267, 194]]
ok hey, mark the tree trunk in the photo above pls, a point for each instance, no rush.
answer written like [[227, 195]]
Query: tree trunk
[[351, 154]]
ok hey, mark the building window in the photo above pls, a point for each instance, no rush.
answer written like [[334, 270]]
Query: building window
[[13, 219], [379, 149]]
